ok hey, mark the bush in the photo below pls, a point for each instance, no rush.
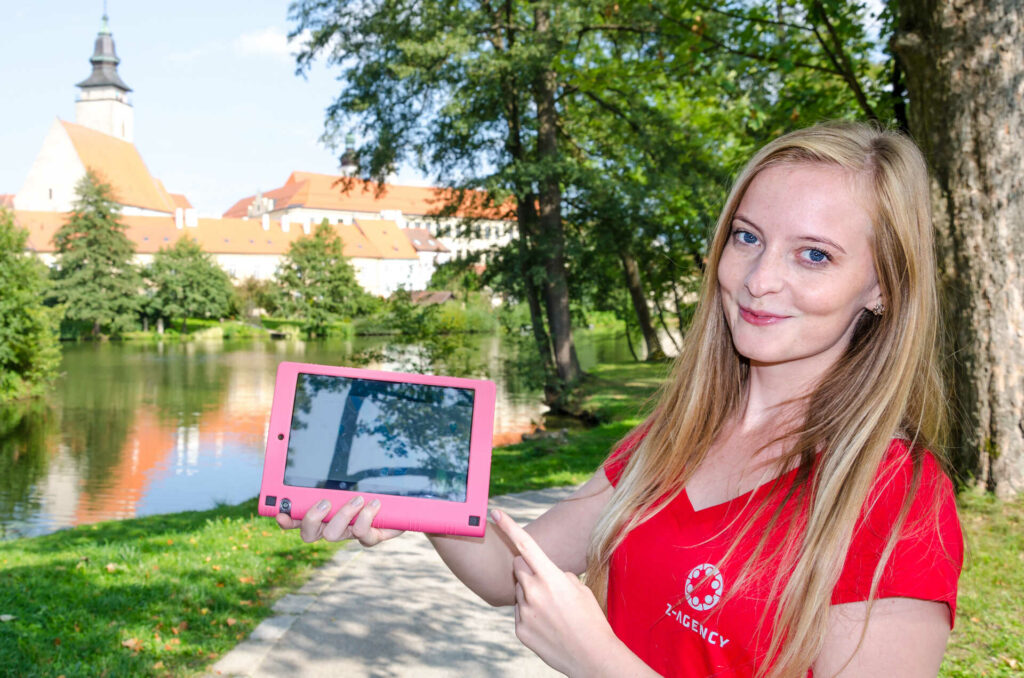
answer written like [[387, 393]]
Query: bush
[[29, 352]]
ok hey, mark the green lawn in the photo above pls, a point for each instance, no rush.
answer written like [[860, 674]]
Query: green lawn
[[163, 595], [167, 595]]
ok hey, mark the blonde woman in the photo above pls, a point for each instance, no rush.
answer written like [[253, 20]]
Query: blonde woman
[[783, 511]]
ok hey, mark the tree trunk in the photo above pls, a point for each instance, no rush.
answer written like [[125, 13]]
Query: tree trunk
[[643, 314], [526, 216], [551, 239], [964, 65]]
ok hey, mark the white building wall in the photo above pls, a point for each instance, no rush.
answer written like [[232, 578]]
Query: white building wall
[[106, 109], [50, 185], [240, 266]]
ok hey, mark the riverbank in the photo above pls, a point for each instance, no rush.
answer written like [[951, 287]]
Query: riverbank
[[168, 595]]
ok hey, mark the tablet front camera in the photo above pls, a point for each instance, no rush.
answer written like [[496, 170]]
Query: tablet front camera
[[286, 506]]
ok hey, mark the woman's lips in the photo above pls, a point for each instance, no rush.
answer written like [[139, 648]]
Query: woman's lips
[[760, 317]]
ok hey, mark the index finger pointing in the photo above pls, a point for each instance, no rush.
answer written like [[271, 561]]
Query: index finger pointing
[[529, 549]]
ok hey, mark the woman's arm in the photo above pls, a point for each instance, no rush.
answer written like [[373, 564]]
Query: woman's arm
[[562, 532], [904, 637], [558, 617], [484, 565]]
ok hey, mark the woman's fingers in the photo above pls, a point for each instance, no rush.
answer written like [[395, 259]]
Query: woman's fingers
[[312, 525], [528, 548], [363, 529]]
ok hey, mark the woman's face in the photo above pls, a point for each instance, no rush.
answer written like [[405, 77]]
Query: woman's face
[[797, 270]]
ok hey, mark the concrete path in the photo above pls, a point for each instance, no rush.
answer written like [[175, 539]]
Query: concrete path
[[393, 611]]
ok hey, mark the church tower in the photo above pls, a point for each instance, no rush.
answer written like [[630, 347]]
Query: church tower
[[103, 104]]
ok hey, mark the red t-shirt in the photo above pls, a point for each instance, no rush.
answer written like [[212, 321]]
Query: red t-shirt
[[667, 578]]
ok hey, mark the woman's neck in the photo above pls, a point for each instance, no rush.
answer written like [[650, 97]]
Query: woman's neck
[[774, 396]]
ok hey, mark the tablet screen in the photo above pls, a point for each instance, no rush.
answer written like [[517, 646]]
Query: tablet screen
[[380, 437]]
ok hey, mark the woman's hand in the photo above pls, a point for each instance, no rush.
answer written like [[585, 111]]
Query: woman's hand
[[558, 617], [313, 527]]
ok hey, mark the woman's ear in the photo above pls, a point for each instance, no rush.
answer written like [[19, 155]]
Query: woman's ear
[[876, 303]]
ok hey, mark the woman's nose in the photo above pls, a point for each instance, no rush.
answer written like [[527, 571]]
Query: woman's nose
[[766, 274]]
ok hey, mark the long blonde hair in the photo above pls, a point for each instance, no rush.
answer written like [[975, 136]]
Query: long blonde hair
[[887, 383]]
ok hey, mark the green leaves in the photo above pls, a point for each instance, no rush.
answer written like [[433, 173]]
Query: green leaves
[[317, 284], [95, 280], [187, 283], [29, 353]]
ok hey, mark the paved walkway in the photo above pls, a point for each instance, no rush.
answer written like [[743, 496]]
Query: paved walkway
[[393, 611]]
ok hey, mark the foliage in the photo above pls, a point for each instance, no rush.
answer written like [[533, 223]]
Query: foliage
[[317, 284], [95, 280], [163, 595], [29, 353], [252, 294], [457, 275], [187, 283]]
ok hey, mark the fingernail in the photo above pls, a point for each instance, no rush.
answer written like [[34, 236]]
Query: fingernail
[[356, 501], [495, 515], [375, 503], [323, 505]]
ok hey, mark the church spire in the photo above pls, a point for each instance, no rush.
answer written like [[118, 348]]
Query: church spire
[[103, 104], [104, 62]]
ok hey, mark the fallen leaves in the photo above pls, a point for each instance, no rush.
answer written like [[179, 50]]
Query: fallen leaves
[[133, 644]]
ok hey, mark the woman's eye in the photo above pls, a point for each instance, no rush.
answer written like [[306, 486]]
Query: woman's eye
[[816, 256], [746, 237]]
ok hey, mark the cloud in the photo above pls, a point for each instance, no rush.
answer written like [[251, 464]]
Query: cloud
[[272, 42]]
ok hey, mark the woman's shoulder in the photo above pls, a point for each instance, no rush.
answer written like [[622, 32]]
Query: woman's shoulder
[[909, 467]]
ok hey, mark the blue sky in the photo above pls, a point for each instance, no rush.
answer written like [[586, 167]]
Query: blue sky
[[219, 111]]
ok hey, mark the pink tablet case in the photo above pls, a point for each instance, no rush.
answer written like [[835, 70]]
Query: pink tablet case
[[398, 512]]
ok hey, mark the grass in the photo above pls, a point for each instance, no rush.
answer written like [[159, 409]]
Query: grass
[[156, 596], [613, 395], [168, 595], [988, 639]]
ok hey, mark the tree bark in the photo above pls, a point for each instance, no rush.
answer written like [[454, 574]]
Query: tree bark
[[551, 239], [643, 314], [964, 69], [526, 217]]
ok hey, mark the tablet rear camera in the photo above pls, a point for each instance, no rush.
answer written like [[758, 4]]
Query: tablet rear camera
[[286, 506], [280, 436]]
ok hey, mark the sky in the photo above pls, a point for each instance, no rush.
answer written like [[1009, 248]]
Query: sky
[[219, 111]]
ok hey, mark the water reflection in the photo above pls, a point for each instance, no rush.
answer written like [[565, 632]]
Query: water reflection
[[138, 429]]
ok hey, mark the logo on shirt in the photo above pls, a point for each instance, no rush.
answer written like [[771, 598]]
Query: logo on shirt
[[704, 587]]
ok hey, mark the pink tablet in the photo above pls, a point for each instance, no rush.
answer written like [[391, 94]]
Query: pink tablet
[[420, 444]]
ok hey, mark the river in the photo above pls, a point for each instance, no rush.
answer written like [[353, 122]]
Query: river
[[140, 428]]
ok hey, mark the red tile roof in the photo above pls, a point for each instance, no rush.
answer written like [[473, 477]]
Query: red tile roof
[[372, 238], [7, 200], [327, 191], [119, 164], [422, 241], [180, 200], [387, 238]]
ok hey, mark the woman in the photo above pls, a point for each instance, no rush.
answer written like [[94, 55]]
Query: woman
[[779, 511]]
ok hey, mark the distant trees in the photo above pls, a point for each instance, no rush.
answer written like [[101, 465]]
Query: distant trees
[[187, 283], [29, 352], [94, 279], [316, 283]]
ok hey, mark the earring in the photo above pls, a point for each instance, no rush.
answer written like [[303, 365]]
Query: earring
[[878, 308]]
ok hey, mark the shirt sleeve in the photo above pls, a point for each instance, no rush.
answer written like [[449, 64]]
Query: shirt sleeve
[[615, 464], [926, 561]]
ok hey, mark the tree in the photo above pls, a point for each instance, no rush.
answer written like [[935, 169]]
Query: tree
[[964, 66], [317, 283], [95, 280], [252, 294], [463, 87], [187, 283], [29, 352]]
